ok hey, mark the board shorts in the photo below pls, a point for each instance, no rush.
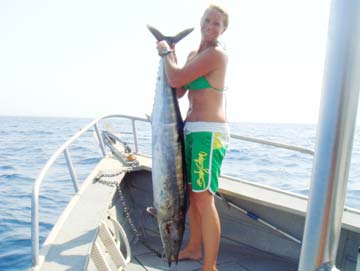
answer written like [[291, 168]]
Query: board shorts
[[206, 144]]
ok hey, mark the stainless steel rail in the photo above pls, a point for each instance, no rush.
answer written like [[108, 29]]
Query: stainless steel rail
[[274, 144], [64, 149]]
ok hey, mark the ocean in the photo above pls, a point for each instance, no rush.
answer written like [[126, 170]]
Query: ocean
[[28, 142]]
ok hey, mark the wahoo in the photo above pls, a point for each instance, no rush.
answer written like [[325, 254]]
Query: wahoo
[[168, 174]]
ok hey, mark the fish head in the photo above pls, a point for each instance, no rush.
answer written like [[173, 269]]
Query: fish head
[[172, 232]]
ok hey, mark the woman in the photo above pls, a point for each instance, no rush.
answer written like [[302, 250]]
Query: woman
[[206, 131]]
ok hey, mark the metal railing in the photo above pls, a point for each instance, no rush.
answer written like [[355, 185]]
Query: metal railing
[[274, 144], [64, 149]]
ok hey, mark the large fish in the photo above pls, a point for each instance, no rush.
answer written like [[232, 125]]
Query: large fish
[[168, 175]]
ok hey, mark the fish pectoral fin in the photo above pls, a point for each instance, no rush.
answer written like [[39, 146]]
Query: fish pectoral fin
[[151, 210]]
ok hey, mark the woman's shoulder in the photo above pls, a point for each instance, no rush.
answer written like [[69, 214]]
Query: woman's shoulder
[[220, 50], [217, 53], [210, 57]]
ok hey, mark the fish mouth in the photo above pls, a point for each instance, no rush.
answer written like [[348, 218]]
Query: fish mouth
[[173, 231]]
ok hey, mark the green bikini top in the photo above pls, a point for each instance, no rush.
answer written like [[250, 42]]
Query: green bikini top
[[200, 83]]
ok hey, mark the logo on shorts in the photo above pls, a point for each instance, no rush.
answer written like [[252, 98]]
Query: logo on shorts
[[200, 169]]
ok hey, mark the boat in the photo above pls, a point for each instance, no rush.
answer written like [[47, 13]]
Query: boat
[[106, 224], [109, 223]]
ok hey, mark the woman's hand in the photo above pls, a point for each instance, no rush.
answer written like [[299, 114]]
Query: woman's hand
[[161, 45], [172, 46]]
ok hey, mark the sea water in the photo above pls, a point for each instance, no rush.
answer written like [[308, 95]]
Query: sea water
[[26, 143]]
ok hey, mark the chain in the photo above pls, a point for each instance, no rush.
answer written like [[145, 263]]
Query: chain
[[100, 178], [133, 227]]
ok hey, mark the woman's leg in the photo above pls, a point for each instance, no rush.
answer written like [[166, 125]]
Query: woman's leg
[[210, 228]]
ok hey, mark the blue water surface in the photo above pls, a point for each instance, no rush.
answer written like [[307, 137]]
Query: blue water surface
[[28, 142]]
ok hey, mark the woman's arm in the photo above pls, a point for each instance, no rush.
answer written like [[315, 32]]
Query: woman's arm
[[180, 91], [198, 65]]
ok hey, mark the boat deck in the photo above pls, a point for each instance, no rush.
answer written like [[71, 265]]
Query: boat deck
[[232, 257]]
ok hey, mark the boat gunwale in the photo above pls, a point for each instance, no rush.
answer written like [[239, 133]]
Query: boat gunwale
[[351, 216], [278, 190]]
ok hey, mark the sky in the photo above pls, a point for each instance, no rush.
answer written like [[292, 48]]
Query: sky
[[86, 58]]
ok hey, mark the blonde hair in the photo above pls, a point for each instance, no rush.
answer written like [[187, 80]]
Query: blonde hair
[[222, 11]]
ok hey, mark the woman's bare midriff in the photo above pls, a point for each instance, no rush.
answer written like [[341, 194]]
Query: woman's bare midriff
[[206, 105]]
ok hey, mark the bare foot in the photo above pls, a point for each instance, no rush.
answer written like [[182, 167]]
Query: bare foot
[[208, 269], [188, 254]]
